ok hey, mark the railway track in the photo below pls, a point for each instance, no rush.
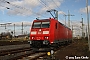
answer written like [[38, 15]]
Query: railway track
[[11, 42], [12, 51], [23, 54], [34, 56], [14, 54], [20, 54]]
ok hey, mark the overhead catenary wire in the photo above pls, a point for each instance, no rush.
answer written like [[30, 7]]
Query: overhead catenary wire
[[58, 7], [12, 10], [60, 10], [42, 2], [46, 7], [20, 7], [63, 12], [23, 8], [26, 8]]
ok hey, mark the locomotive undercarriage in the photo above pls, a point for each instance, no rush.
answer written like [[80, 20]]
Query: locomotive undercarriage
[[58, 43], [39, 44], [46, 43]]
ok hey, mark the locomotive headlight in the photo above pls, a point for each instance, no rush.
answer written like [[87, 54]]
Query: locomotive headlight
[[46, 37], [33, 32], [45, 32], [32, 37]]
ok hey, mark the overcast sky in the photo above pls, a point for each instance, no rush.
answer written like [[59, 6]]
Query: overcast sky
[[18, 11]]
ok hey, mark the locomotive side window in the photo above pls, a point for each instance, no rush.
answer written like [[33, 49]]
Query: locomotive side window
[[37, 25], [45, 24]]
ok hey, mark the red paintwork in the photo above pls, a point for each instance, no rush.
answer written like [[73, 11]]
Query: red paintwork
[[61, 33]]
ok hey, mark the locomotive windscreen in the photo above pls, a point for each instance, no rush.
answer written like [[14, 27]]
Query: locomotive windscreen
[[36, 24], [45, 24]]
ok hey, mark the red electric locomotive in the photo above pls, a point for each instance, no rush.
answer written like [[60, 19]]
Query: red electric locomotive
[[49, 32]]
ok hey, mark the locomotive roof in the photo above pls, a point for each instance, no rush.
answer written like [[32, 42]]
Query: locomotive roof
[[49, 20], [42, 19], [64, 25]]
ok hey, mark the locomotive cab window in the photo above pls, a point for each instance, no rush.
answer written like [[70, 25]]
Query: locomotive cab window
[[41, 24], [45, 24], [36, 25]]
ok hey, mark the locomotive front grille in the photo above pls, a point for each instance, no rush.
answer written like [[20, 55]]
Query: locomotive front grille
[[36, 43]]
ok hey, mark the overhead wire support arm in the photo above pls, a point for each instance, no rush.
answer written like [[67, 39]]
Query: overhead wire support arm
[[51, 14], [69, 18]]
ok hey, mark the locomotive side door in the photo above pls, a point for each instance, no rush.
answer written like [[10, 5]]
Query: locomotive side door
[[56, 31]]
